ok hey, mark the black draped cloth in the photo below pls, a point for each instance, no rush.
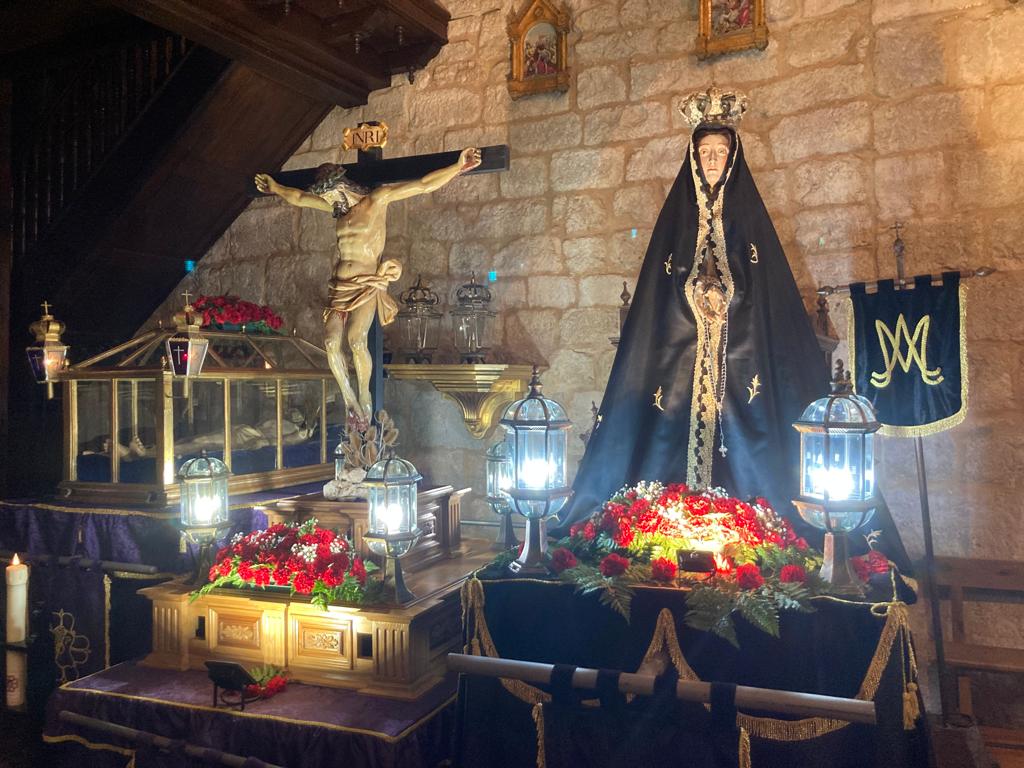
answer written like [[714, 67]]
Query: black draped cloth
[[650, 425]]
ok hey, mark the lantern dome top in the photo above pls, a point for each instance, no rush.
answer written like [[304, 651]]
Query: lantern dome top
[[203, 466], [499, 451], [473, 294], [419, 295], [840, 411], [536, 410], [392, 471]]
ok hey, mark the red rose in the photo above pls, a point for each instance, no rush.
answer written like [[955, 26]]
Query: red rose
[[613, 565], [359, 571], [793, 574], [561, 559], [303, 583], [663, 569], [749, 576], [262, 577]]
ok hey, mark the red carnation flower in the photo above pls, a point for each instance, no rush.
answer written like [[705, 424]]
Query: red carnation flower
[[749, 576], [340, 562], [697, 505], [245, 572], [613, 565], [359, 571], [663, 569], [303, 583], [561, 559], [214, 573], [589, 531], [800, 543], [262, 576], [282, 576], [624, 536], [793, 574], [877, 562], [225, 567], [330, 578], [326, 535]]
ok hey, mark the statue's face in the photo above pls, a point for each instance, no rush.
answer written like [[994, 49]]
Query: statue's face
[[713, 152]]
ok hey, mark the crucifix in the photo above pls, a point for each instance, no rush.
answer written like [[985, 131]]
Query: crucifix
[[357, 195]]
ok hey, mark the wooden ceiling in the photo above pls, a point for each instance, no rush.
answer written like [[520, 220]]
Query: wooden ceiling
[[337, 51]]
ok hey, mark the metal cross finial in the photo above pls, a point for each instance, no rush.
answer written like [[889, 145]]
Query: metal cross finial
[[186, 294], [46, 307]]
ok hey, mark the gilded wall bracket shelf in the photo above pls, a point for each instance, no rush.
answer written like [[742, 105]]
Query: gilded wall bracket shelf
[[480, 390]]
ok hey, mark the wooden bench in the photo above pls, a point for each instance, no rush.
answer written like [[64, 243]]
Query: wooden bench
[[970, 579]]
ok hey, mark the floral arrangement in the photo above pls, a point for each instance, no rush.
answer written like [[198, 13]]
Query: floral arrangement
[[230, 312], [307, 559], [270, 681], [760, 565]]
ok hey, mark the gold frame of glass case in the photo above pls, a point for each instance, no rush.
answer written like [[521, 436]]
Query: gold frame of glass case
[[129, 392]]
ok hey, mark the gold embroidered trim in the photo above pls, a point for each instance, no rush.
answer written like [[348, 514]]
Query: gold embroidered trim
[[538, 719], [709, 365], [89, 744], [921, 430], [744, 749], [106, 621]]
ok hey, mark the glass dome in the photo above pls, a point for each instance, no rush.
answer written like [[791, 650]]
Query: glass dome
[[848, 409], [499, 477], [204, 492], [392, 486]]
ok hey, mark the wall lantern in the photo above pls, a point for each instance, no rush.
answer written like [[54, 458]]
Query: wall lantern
[[204, 506], [186, 349], [48, 356], [392, 486], [537, 430], [498, 461], [472, 321], [837, 473], [419, 323]]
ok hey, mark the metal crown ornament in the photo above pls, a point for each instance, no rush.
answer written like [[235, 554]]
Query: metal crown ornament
[[714, 108]]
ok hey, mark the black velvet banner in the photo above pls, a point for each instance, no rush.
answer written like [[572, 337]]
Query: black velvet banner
[[909, 355]]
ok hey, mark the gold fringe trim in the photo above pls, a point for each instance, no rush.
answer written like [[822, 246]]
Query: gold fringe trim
[[744, 749], [934, 427], [99, 746], [665, 638], [911, 709], [538, 719], [94, 510], [106, 621]]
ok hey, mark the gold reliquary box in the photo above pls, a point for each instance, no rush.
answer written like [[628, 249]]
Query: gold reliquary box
[[266, 405]]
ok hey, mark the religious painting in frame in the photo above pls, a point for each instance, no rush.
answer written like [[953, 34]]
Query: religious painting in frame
[[731, 25], [538, 49]]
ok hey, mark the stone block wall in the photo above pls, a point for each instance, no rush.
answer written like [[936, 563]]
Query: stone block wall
[[862, 112]]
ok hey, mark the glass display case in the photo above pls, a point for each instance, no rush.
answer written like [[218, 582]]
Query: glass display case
[[266, 405]]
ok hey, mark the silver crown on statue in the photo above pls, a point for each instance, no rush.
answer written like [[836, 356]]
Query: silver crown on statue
[[714, 107]]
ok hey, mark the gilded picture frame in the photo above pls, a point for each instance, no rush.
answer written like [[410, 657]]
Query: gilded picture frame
[[538, 49], [731, 25]]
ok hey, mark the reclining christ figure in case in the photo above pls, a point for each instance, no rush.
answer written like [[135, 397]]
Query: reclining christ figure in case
[[358, 290]]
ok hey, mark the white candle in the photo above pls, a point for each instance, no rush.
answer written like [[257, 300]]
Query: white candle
[[17, 601], [17, 631]]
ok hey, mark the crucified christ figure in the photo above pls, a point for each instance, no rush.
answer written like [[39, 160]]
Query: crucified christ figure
[[358, 290]]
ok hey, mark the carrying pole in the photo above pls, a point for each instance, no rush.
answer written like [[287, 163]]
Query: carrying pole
[[759, 699]]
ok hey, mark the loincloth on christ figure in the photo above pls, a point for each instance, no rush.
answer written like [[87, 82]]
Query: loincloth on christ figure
[[345, 294]]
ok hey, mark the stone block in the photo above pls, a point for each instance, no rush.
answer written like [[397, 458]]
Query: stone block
[[809, 89], [577, 169], [835, 268], [588, 330], [830, 229], [585, 255], [330, 132], [751, 66], [500, 108], [603, 290], [829, 131], [893, 10], [1005, 50], [627, 123], [599, 85], [912, 185], [1003, 234], [448, 224], [598, 17], [1005, 111], [533, 335], [445, 107], [316, 230], [580, 214], [557, 132], [990, 177], [551, 291], [816, 42], [782, 10], [829, 182], [569, 372], [680, 37], [429, 257], [908, 56], [616, 46], [757, 154], [247, 279], [313, 159], [262, 232], [774, 191], [510, 219], [469, 256], [526, 177], [508, 293], [639, 203], [823, 7], [656, 79], [933, 245], [464, 28], [476, 136], [529, 256], [647, 13], [626, 251], [218, 252], [658, 158]]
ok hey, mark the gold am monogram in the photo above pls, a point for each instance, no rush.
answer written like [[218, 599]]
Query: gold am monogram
[[892, 350]]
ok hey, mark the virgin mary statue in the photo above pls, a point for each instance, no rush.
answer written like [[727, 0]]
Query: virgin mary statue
[[717, 357]]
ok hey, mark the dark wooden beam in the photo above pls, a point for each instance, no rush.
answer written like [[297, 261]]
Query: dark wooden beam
[[424, 14], [288, 49], [6, 254]]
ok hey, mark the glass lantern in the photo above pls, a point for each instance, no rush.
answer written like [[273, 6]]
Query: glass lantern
[[498, 461], [392, 486], [471, 321], [419, 323], [204, 506], [47, 356], [837, 472], [537, 430], [186, 349]]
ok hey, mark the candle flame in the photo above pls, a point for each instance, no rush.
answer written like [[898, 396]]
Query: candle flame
[[15, 560]]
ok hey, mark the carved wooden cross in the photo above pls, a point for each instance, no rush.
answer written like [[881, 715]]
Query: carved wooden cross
[[372, 170]]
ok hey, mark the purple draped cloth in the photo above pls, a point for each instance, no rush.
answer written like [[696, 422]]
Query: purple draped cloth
[[305, 726]]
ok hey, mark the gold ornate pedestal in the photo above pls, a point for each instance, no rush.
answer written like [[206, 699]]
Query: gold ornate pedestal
[[397, 652]]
